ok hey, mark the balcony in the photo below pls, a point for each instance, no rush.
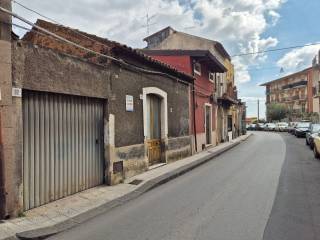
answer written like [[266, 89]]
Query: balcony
[[301, 83], [297, 97]]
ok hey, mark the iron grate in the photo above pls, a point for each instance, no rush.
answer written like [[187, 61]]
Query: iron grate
[[136, 182]]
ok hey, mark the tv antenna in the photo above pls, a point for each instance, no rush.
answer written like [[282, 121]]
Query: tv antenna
[[149, 23]]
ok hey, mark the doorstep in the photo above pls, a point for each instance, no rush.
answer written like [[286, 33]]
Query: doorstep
[[68, 212], [154, 166]]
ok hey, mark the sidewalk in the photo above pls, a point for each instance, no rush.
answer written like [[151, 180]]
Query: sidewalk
[[63, 214]]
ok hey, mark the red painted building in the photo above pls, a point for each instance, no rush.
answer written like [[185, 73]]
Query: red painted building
[[203, 107]]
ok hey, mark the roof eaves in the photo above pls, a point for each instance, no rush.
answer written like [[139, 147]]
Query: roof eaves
[[169, 27], [42, 23], [288, 76]]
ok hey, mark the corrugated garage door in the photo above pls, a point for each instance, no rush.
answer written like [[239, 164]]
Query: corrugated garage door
[[62, 146]]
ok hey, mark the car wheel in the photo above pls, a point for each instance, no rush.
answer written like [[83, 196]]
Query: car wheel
[[316, 154]]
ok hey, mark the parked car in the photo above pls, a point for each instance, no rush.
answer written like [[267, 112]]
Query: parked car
[[282, 127], [252, 127], [263, 126], [260, 126], [316, 146], [301, 129], [270, 127], [314, 129], [292, 127]]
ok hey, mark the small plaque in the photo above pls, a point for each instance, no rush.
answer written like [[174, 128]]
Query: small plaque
[[16, 92], [129, 103]]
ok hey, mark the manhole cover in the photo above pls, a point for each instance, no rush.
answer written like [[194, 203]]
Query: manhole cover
[[135, 182]]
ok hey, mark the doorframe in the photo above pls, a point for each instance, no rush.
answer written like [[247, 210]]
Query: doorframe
[[205, 122], [164, 111]]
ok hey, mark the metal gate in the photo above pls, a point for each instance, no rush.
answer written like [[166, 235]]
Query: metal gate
[[62, 146]]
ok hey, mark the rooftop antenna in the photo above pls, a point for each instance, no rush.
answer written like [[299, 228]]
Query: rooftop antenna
[[148, 19], [281, 70]]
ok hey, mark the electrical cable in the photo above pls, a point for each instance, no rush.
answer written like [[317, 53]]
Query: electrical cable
[[122, 62], [275, 50]]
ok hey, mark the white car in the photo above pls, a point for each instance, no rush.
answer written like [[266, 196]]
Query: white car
[[270, 127], [282, 126]]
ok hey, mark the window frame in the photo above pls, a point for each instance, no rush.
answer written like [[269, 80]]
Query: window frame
[[213, 75], [195, 70]]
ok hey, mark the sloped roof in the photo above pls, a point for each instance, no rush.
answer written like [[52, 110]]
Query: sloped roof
[[109, 45]]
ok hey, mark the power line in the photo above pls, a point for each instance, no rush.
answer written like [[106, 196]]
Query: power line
[[52, 20], [148, 25], [275, 49], [34, 11], [84, 48]]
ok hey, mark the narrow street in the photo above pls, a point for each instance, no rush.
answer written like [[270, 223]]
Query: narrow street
[[235, 196]]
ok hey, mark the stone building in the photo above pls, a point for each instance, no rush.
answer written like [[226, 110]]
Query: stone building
[[293, 91], [72, 119]]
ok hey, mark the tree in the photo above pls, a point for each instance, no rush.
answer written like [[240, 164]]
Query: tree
[[276, 112]]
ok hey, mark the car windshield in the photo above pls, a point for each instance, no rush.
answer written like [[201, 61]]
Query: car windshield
[[303, 125], [315, 128]]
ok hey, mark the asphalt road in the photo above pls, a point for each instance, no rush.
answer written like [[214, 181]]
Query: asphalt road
[[234, 197], [296, 211]]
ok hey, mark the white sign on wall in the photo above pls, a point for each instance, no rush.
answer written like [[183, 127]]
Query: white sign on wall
[[129, 103], [16, 92]]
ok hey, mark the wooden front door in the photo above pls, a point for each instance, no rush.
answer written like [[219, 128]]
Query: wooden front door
[[154, 141]]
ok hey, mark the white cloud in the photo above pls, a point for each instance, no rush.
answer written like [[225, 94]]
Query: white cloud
[[274, 17], [298, 58], [238, 24], [241, 71]]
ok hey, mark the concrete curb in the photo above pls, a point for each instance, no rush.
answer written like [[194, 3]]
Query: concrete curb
[[42, 233]]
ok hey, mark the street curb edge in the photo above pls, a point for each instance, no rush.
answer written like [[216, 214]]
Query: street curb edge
[[43, 233]]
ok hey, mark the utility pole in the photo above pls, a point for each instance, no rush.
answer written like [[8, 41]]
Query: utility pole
[[258, 110]]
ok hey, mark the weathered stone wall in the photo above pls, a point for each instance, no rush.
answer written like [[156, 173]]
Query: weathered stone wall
[[45, 70], [130, 124], [42, 69], [179, 148]]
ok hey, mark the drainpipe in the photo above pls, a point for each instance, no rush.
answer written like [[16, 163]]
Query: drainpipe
[[194, 109], [194, 118]]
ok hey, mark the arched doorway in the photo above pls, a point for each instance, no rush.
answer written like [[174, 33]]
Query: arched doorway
[[155, 123]]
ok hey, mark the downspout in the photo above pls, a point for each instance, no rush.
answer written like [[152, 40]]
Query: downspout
[[194, 109], [2, 178], [194, 118]]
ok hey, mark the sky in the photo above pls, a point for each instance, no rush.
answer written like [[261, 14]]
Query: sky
[[242, 26]]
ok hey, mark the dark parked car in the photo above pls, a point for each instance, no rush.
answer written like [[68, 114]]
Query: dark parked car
[[301, 129], [313, 130], [292, 127]]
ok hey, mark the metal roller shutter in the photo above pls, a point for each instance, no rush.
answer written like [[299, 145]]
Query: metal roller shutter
[[62, 146]]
